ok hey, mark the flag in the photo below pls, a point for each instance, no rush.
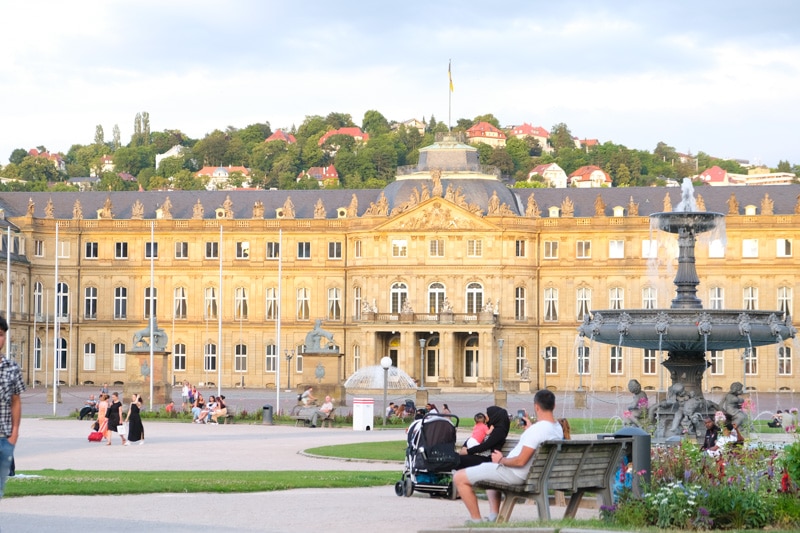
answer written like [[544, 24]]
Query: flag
[[450, 75]]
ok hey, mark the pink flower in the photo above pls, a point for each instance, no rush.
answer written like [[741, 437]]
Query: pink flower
[[643, 403], [626, 414]]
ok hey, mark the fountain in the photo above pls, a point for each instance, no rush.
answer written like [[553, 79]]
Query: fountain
[[686, 330]]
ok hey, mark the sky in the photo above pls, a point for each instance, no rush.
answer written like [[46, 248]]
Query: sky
[[721, 77]]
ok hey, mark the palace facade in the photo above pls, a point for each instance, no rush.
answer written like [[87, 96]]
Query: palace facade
[[465, 283]]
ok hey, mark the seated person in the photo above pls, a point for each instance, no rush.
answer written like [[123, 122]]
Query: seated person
[[710, 440], [479, 432], [197, 406], [777, 420], [170, 407], [207, 409], [221, 410], [324, 410], [514, 468], [481, 453], [725, 441], [89, 408]]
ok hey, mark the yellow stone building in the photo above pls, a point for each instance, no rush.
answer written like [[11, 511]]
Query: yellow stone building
[[465, 283]]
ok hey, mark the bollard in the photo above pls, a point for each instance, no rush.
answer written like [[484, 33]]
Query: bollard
[[266, 415]]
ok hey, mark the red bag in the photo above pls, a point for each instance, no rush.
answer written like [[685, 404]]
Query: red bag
[[95, 436]]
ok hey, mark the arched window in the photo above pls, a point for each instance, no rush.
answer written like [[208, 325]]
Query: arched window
[[62, 301], [398, 295], [474, 299], [584, 302], [303, 304], [551, 304], [334, 303], [785, 300], [38, 300], [471, 353], [436, 294]]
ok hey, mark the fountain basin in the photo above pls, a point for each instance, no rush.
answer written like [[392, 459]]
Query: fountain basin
[[694, 221], [687, 330]]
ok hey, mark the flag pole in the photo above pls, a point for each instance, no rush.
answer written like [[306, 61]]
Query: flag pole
[[449, 95]]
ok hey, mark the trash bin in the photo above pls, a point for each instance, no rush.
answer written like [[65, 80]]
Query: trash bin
[[266, 415], [638, 455], [363, 414]]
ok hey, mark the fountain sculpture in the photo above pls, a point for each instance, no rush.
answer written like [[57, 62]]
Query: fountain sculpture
[[686, 330]]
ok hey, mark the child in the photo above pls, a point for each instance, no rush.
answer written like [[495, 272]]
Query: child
[[479, 432]]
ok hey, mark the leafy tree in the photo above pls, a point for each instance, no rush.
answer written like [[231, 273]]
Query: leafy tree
[[307, 183], [132, 159], [783, 166], [37, 169], [186, 181], [145, 127], [484, 153], [144, 177], [18, 155], [501, 159], [339, 120], [99, 136], [571, 159], [463, 124], [110, 181], [622, 176], [520, 153], [382, 156], [431, 126], [374, 123], [313, 125], [164, 140], [252, 135], [212, 149], [491, 119], [136, 138], [170, 166], [561, 138], [731, 166], [115, 142], [665, 152]]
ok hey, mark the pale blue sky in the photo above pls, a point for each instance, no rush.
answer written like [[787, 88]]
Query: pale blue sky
[[718, 76]]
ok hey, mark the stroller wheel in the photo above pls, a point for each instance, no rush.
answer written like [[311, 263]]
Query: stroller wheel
[[451, 491], [409, 487], [398, 488]]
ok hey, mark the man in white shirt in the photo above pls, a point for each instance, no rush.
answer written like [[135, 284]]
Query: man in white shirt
[[514, 468], [324, 411]]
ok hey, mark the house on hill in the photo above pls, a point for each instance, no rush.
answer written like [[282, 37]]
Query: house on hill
[[716, 176], [354, 132], [534, 132], [552, 174], [218, 177], [326, 176], [589, 176], [56, 159], [281, 135], [483, 132]]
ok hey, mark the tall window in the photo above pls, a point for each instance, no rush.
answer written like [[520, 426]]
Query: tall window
[[716, 363], [240, 305], [151, 250], [210, 357], [615, 361], [615, 298], [334, 250], [89, 356], [784, 247], [38, 248], [119, 356], [334, 303], [22, 299], [436, 295], [91, 250], [150, 302], [751, 298], [649, 362], [474, 298], [357, 303], [471, 354], [303, 304], [474, 248], [120, 250], [749, 247], [583, 249], [273, 250], [120, 303], [304, 250], [182, 250], [784, 361], [356, 358], [520, 360], [212, 250], [179, 357], [210, 303], [298, 360], [584, 302], [436, 248], [520, 248], [717, 297], [399, 248], [520, 303], [649, 298], [62, 301], [551, 304], [357, 249], [616, 249], [551, 360], [398, 294], [240, 358], [38, 299], [583, 360], [61, 353], [179, 304], [551, 249], [751, 361], [243, 250], [37, 353], [90, 302], [272, 304], [271, 359], [63, 249], [785, 300]]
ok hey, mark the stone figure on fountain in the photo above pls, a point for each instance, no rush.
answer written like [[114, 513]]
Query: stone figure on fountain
[[732, 404], [635, 413]]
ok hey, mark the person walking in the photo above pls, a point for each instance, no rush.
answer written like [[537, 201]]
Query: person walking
[[11, 387], [134, 420], [114, 415]]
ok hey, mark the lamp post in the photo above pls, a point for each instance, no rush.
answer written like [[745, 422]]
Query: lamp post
[[500, 343], [386, 363], [289, 354], [422, 343], [545, 355]]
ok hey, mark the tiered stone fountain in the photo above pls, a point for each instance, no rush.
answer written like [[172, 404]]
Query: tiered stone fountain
[[685, 330]]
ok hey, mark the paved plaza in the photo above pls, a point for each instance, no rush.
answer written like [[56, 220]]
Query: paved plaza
[[62, 444]]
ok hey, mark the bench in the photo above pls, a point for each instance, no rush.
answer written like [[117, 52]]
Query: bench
[[229, 418], [305, 415], [572, 466]]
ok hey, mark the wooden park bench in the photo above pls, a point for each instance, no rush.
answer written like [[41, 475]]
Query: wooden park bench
[[305, 415], [572, 466]]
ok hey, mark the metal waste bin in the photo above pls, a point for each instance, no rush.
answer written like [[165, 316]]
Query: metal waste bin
[[638, 455], [363, 414], [266, 415]]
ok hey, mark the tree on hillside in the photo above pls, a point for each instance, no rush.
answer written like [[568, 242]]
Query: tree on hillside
[[783, 166], [115, 141], [571, 159], [339, 120], [99, 136], [313, 125], [252, 135], [561, 138], [519, 151], [490, 118], [463, 124], [212, 149], [18, 155], [502, 160], [37, 169], [375, 123]]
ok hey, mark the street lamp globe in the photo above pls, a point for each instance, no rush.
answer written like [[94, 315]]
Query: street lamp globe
[[386, 362]]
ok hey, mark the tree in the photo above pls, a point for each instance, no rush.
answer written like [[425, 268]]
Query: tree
[[622, 177], [491, 119], [99, 136], [145, 127], [37, 169], [374, 123], [783, 166], [520, 153], [561, 138], [484, 153], [115, 142], [212, 149], [501, 159], [18, 155], [463, 124], [339, 120]]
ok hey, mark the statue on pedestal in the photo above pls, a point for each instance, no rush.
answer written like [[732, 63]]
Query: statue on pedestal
[[144, 337]]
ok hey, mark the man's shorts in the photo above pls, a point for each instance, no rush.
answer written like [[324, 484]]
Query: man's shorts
[[492, 472]]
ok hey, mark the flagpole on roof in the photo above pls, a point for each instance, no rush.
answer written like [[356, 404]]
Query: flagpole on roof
[[449, 94]]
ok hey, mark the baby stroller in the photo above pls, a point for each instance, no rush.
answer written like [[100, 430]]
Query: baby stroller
[[430, 457]]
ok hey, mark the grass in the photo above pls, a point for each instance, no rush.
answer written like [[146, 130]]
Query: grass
[[92, 483], [374, 451]]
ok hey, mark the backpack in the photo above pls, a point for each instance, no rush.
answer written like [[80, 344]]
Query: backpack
[[299, 397]]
